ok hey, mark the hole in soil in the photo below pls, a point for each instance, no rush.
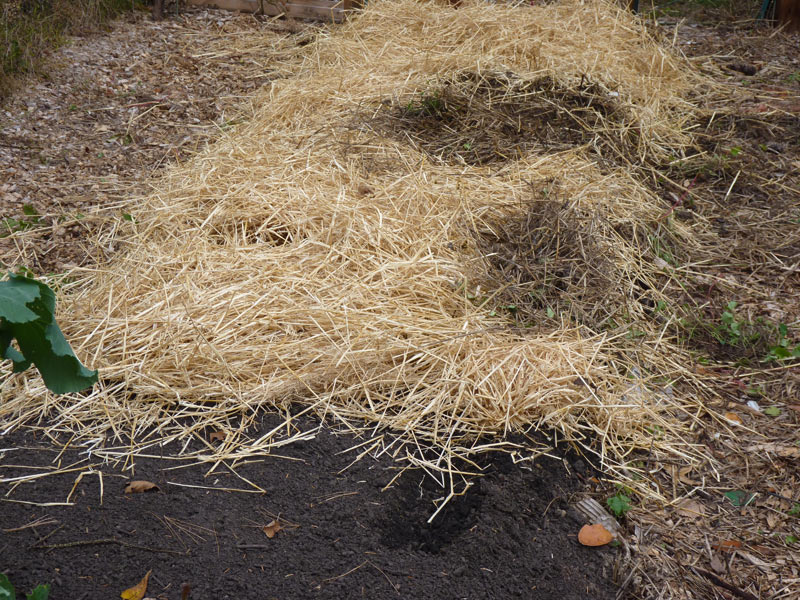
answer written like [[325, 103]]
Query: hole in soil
[[543, 254], [480, 119], [413, 498]]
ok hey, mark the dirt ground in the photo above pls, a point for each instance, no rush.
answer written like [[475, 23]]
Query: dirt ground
[[341, 534], [120, 105]]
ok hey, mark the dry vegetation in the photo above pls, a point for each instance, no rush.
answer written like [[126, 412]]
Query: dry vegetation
[[446, 226]]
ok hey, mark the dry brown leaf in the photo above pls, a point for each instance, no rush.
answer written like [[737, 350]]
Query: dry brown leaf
[[138, 486], [691, 509], [594, 535], [272, 528], [773, 519], [728, 545], [717, 564], [138, 591], [217, 436], [733, 418], [683, 476], [781, 450]]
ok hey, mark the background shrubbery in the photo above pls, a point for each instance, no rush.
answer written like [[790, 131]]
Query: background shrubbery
[[29, 27]]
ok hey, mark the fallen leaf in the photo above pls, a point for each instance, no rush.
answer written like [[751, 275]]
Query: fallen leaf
[[138, 591], [683, 476], [772, 411], [795, 407], [216, 436], [773, 519], [733, 417], [717, 564], [594, 535], [691, 509], [272, 528], [135, 487], [728, 545], [781, 450], [739, 497]]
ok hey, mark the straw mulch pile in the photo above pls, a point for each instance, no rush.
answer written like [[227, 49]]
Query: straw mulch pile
[[438, 226]]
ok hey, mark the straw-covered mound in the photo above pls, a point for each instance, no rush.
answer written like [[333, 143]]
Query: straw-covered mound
[[430, 227]]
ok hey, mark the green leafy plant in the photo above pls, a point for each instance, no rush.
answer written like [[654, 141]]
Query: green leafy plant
[[783, 350], [30, 219], [7, 591], [731, 328], [619, 504], [795, 510], [27, 310]]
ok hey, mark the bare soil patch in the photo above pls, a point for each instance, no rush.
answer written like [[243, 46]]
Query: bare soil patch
[[336, 529]]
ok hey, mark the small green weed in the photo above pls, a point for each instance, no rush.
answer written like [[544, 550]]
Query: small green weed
[[730, 331], [619, 504], [31, 219], [427, 105], [7, 591], [783, 350]]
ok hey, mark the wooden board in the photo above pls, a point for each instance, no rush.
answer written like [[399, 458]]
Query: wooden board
[[787, 12], [321, 10]]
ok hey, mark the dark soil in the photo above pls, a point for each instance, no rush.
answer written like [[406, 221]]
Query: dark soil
[[512, 535]]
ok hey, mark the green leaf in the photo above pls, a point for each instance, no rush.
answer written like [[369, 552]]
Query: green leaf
[[6, 589], [772, 411], [795, 510], [739, 497], [792, 539], [619, 504], [40, 592], [550, 313], [27, 307], [779, 352], [15, 298]]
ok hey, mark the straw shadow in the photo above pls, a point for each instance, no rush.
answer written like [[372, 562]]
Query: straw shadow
[[546, 252], [491, 118]]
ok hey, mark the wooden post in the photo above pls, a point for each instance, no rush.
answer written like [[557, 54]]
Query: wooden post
[[787, 12]]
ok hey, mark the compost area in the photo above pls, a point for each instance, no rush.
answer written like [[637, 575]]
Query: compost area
[[377, 306]]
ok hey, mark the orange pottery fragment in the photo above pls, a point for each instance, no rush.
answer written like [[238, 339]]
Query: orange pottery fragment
[[594, 535]]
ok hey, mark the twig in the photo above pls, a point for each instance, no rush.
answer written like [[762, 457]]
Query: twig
[[102, 541], [724, 584]]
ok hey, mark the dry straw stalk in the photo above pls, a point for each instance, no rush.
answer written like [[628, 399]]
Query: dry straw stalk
[[317, 255]]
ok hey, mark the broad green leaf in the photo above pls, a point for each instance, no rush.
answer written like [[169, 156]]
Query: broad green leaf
[[772, 411], [40, 592], [39, 338], [6, 589], [14, 300], [47, 348], [780, 352]]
